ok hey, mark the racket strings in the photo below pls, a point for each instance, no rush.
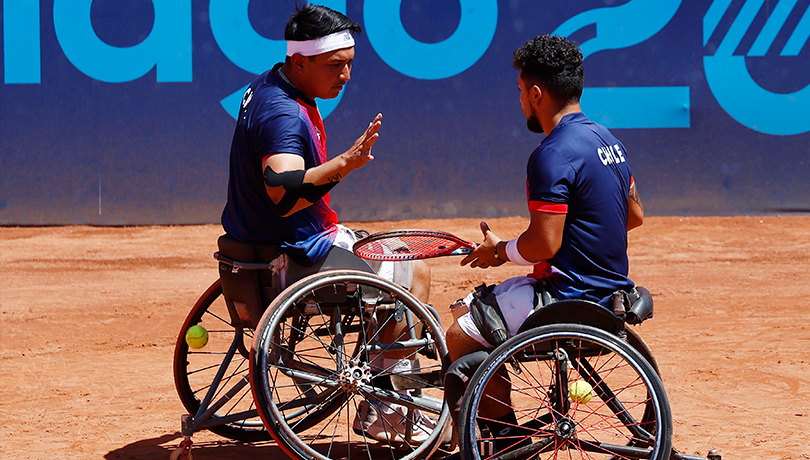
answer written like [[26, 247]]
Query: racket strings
[[423, 244], [408, 244]]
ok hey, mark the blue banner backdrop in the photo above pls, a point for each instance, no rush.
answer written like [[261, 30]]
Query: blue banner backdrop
[[121, 112]]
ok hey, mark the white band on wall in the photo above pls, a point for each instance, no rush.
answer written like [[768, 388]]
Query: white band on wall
[[331, 42], [514, 255]]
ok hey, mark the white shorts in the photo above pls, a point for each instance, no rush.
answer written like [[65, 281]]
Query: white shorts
[[515, 296], [400, 273]]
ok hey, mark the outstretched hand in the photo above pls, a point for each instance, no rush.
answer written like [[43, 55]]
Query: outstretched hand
[[360, 152], [484, 255]]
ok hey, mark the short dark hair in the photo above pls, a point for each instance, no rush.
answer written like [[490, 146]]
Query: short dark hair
[[553, 62], [316, 21]]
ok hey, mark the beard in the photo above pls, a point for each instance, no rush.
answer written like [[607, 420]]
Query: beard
[[533, 123]]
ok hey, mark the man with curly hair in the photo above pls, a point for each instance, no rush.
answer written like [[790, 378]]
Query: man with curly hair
[[582, 201]]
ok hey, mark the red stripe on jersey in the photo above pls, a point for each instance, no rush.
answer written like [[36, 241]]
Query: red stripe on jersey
[[312, 118], [552, 208], [317, 133]]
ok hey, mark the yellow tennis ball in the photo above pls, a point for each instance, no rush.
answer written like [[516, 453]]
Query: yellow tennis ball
[[196, 336], [580, 392]]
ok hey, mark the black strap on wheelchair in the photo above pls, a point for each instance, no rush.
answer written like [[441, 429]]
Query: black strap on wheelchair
[[486, 313], [635, 305], [487, 316], [543, 295]]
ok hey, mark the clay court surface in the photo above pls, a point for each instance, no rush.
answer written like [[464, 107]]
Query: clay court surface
[[90, 316]]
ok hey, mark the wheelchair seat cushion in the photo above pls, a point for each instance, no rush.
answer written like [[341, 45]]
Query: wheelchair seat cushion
[[337, 259]]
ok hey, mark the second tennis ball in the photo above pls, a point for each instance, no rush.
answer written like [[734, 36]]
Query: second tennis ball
[[196, 337], [580, 392]]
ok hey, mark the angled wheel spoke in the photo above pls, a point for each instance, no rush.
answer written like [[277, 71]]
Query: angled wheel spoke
[[209, 379]]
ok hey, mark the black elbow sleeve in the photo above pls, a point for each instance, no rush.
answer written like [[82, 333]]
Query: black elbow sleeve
[[294, 188]]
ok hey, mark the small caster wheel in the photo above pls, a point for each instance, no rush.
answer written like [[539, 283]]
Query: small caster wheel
[[713, 455], [183, 452], [180, 454]]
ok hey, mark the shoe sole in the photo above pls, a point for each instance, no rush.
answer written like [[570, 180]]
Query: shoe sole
[[397, 444]]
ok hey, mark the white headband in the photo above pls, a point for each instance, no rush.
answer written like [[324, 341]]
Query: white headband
[[331, 42]]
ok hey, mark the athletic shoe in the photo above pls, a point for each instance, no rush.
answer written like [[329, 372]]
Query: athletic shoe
[[387, 422]]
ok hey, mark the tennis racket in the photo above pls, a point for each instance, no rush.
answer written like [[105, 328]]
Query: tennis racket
[[398, 245]]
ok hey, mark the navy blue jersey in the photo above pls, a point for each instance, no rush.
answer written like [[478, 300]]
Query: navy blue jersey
[[276, 118], [580, 169]]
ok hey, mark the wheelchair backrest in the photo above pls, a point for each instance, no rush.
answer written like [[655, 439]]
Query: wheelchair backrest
[[246, 292]]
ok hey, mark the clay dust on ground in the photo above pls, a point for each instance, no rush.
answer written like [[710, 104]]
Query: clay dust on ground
[[90, 316]]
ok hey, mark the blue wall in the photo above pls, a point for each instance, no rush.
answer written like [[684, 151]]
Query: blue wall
[[119, 112]]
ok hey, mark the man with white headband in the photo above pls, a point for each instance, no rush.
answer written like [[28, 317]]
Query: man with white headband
[[582, 202], [280, 177]]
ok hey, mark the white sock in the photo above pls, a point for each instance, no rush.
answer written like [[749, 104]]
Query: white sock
[[397, 365]]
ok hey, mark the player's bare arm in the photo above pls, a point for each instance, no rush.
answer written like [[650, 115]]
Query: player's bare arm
[[292, 191], [635, 216], [543, 238]]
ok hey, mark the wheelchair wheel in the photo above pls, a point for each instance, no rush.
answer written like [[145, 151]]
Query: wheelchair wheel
[[635, 341], [314, 375], [215, 377], [576, 391]]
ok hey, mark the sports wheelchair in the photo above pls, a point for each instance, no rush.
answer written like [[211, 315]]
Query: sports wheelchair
[[581, 385], [291, 356]]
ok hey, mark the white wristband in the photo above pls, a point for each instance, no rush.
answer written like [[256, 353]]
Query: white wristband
[[514, 255]]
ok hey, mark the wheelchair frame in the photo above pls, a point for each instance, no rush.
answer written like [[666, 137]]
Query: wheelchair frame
[[347, 304], [237, 393], [626, 414]]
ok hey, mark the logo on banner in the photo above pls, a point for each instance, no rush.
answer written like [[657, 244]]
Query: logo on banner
[[730, 80], [621, 27], [727, 74], [168, 50]]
